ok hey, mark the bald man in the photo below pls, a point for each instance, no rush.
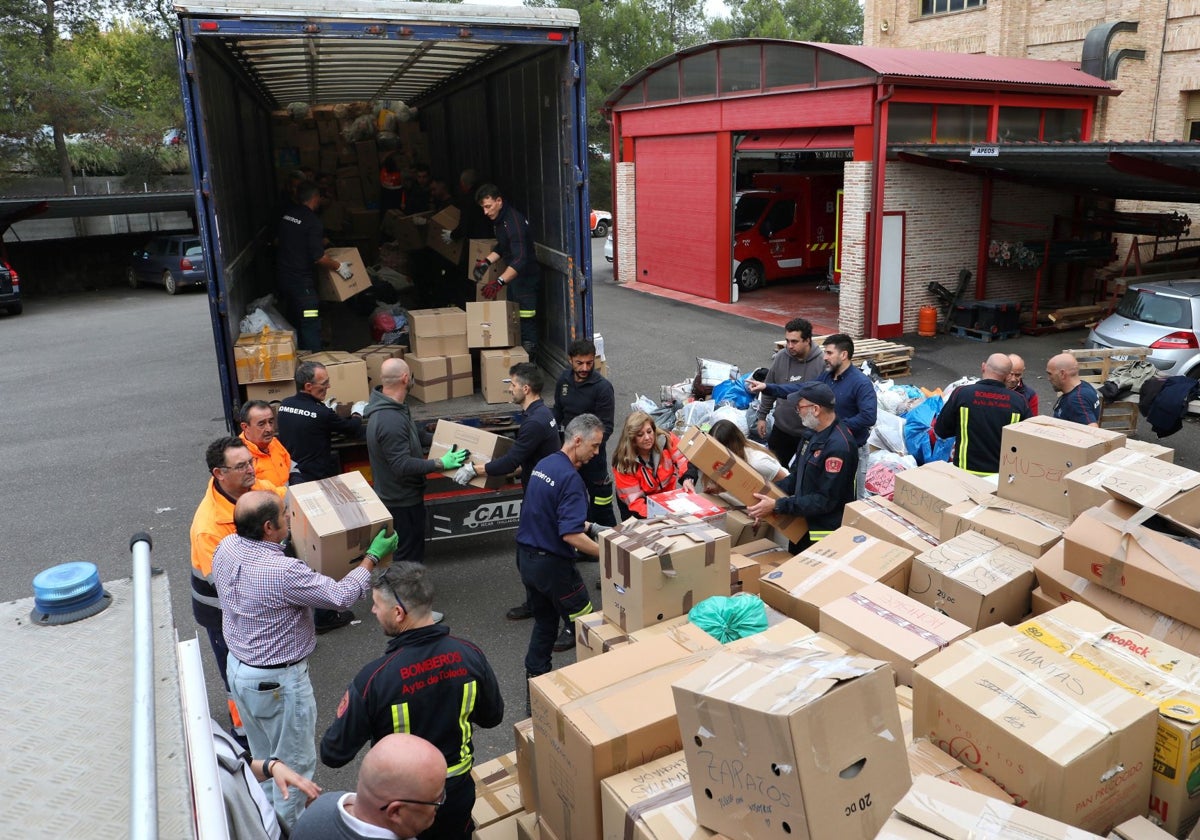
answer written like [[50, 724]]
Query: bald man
[[397, 449], [1077, 400], [1016, 382], [401, 785], [977, 414]]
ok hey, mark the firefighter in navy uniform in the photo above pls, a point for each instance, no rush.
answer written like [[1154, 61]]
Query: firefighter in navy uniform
[[825, 466], [301, 252], [427, 683], [977, 414], [305, 425], [514, 245], [581, 390]]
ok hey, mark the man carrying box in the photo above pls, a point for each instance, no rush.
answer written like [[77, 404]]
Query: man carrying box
[[514, 244], [822, 478], [301, 252]]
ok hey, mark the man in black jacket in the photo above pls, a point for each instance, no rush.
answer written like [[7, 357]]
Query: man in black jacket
[[305, 425], [514, 244], [977, 415], [428, 683], [398, 464], [581, 390]]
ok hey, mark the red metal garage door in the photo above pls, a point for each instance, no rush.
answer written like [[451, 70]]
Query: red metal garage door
[[677, 215]]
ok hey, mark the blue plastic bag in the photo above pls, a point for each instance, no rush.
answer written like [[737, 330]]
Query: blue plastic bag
[[919, 438], [734, 392]]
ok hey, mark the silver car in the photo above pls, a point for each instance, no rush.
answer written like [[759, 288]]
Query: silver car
[[608, 247], [1163, 316]]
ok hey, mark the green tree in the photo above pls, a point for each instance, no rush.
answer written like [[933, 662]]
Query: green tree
[[824, 21]]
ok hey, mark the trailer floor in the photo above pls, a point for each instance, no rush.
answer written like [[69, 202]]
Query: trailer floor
[[67, 694]]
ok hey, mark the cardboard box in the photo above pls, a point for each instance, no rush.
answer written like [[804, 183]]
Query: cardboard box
[[527, 826], [885, 519], [651, 570], [600, 717], [766, 553], [478, 249], [924, 759], [931, 488], [682, 503], [444, 220], [1041, 603], [347, 375], [904, 701], [497, 790], [526, 768], [743, 575], [493, 323], [437, 378], [494, 367], [1131, 475], [265, 357], [831, 569], [408, 231], [333, 286], [505, 829], [1021, 527], [736, 477], [936, 808], [743, 529], [438, 332], [974, 579], [1062, 587], [1154, 450], [271, 392], [374, 356], [1061, 739], [627, 797], [349, 191], [595, 634], [1151, 669], [333, 522], [483, 445], [675, 820], [1139, 828], [830, 719], [885, 624], [1036, 455], [1107, 545]]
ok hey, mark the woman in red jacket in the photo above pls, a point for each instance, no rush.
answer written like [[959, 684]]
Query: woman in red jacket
[[647, 461]]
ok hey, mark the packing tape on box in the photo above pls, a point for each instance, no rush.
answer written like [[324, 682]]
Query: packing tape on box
[[833, 566], [955, 560], [1112, 573], [657, 536], [348, 508], [899, 620], [1001, 506], [588, 637], [637, 810], [1073, 642], [256, 362], [504, 778], [904, 523], [993, 823]]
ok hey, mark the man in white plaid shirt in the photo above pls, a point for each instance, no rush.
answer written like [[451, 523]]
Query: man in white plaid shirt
[[267, 601]]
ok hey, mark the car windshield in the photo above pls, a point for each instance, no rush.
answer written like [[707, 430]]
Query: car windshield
[[749, 208], [1147, 306]]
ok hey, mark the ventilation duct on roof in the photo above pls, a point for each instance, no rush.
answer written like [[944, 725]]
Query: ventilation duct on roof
[[1097, 61]]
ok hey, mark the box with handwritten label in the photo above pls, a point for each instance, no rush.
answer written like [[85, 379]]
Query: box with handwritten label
[[974, 579], [1037, 454]]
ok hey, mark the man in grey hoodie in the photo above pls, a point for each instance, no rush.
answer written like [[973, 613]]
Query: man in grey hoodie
[[398, 463], [798, 361]]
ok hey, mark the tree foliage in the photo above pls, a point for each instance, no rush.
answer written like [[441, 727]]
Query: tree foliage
[[825, 21]]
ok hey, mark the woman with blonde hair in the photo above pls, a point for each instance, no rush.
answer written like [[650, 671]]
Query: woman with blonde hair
[[647, 461]]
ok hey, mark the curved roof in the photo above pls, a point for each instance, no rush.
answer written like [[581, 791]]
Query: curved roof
[[854, 64]]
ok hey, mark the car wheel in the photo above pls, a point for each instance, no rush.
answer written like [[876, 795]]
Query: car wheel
[[15, 308], [601, 229], [169, 283], [131, 277], [750, 276]]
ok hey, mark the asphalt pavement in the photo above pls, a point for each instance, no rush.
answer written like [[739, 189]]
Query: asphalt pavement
[[110, 398]]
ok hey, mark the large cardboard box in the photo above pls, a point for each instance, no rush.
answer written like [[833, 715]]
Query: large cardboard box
[[1062, 587], [651, 570], [1061, 739], [600, 717], [975, 579], [1036, 455], [831, 569], [1154, 450], [1041, 603], [333, 522], [675, 820], [526, 769], [335, 287], [885, 519], [478, 249], [483, 445], [627, 797], [1151, 669], [494, 367], [1113, 546], [936, 809], [438, 332], [1139, 828], [503, 829], [885, 624], [269, 356], [493, 323], [1131, 475], [437, 378], [374, 356], [736, 477], [1021, 527], [347, 375], [444, 220], [931, 488], [925, 759], [831, 720], [497, 790], [271, 392], [407, 231]]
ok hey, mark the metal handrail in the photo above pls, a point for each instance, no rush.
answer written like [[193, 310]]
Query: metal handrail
[[143, 795]]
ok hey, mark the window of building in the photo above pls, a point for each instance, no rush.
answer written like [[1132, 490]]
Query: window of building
[[663, 84], [1191, 116], [741, 69], [1019, 124], [1063, 125], [789, 66], [700, 74], [834, 68], [939, 7], [961, 124], [910, 122]]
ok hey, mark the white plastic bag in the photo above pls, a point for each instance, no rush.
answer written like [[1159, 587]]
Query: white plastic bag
[[644, 403], [888, 433], [713, 372], [736, 416], [696, 413]]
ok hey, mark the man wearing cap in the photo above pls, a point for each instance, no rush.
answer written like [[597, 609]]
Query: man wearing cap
[[822, 478], [977, 414]]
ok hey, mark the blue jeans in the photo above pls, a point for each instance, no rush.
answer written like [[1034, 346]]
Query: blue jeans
[[279, 713]]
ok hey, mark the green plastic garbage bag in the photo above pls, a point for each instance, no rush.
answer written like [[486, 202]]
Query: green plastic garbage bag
[[729, 618]]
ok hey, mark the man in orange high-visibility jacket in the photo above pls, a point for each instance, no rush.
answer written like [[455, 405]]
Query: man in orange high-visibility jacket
[[271, 459]]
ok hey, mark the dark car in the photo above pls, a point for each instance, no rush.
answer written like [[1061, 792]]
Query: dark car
[[10, 288], [169, 261]]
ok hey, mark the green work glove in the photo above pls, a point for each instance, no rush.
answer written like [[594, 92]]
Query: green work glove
[[383, 545], [454, 459]]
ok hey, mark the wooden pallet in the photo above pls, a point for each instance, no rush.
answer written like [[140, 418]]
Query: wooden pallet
[[1094, 367], [893, 360], [982, 335]]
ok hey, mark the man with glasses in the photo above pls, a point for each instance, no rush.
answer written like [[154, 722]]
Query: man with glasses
[[401, 788], [427, 683], [268, 600], [231, 471], [822, 478]]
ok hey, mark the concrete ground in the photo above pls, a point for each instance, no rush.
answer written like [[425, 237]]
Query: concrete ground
[[110, 398]]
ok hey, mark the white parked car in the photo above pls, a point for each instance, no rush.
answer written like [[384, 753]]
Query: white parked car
[[608, 247]]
